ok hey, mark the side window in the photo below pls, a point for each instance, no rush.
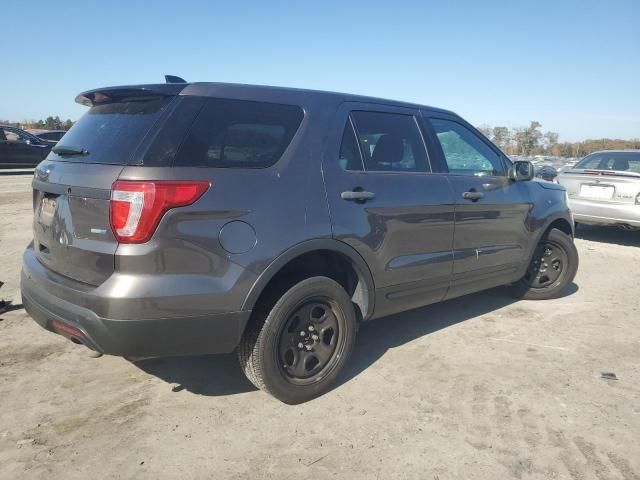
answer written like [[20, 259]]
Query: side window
[[464, 151], [390, 142], [350, 157], [239, 133], [14, 136], [612, 161]]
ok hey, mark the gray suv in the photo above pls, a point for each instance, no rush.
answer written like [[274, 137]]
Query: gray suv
[[178, 219]]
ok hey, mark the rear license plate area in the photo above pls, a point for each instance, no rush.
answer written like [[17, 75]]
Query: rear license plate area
[[597, 192]]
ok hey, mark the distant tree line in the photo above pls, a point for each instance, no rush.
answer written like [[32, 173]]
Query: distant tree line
[[50, 123], [532, 140]]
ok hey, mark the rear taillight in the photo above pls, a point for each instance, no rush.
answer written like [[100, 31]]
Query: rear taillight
[[137, 206], [64, 328]]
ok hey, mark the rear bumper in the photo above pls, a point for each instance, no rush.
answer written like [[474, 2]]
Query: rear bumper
[[148, 337], [602, 213]]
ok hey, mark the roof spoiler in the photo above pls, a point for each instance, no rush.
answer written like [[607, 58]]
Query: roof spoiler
[[128, 92]]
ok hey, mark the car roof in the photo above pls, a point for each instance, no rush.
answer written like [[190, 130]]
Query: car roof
[[631, 150], [246, 91], [211, 88]]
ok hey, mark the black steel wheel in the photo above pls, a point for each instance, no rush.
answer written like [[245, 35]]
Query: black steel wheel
[[553, 266], [298, 351], [308, 341], [548, 265]]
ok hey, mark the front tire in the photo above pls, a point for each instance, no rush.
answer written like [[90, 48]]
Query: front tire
[[304, 343], [552, 268]]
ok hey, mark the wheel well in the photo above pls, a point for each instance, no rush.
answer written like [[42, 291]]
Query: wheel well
[[562, 225], [327, 263]]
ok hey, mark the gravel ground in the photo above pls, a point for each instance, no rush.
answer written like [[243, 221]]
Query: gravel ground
[[480, 387]]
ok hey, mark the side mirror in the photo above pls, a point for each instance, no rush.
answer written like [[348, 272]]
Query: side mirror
[[521, 171]]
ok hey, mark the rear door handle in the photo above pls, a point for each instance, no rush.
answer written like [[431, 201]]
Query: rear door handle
[[473, 196], [357, 196]]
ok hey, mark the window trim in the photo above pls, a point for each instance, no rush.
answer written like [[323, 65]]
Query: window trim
[[349, 122]]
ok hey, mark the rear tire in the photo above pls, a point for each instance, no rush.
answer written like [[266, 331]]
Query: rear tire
[[552, 268], [297, 353]]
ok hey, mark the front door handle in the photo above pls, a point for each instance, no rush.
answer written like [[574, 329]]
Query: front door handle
[[472, 195], [358, 196]]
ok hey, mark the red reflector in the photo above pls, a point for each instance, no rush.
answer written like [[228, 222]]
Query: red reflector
[[137, 206], [63, 327]]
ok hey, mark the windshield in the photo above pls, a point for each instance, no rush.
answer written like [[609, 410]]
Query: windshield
[[617, 161], [110, 133]]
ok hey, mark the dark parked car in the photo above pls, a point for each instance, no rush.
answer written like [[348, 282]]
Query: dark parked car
[[201, 218], [19, 149]]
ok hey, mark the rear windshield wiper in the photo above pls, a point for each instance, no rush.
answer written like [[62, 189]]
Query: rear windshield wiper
[[68, 151]]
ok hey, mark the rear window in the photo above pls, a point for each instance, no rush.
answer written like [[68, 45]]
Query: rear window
[[618, 161], [239, 133], [111, 132]]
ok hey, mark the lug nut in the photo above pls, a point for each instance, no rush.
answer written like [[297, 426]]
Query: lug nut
[[308, 347], [311, 329], [302, 334], [300, 345], [314, 336]]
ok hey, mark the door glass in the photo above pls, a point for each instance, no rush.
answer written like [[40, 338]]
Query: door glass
[[464, 151], [390, 142], [14, 136], [350, 157]]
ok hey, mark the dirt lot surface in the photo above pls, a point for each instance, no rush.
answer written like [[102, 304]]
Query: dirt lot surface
[[481, 387]]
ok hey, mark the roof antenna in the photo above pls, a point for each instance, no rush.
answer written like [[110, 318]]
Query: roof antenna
[[174, 79]]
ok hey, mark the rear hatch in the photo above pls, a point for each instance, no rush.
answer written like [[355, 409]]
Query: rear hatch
[[608, 177], [72, 187]]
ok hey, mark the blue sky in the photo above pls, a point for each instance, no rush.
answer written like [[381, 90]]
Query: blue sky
[[572, 65]]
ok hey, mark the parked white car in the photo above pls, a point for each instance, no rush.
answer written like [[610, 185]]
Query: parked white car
[[604, 188]]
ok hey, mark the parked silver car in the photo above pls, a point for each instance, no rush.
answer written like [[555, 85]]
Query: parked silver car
[[604, 188]]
